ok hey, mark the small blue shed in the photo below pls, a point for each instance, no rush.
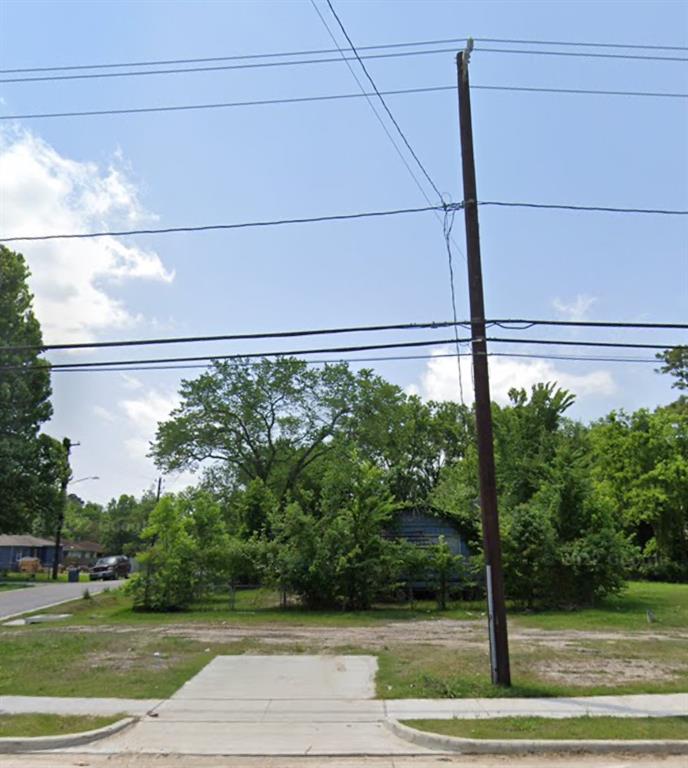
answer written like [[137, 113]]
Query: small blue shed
[[14, 547]]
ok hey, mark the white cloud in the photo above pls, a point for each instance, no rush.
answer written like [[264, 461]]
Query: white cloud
[[104, 414], [577, 309], [143, 414], [131, 382], [42, 192], [440, 380]]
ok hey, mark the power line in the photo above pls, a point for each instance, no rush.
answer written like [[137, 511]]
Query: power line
[[251, 355], [583, 54], [333, 350], [383, 102], [220, 67], [338, 97], [238, 225], [381, 359], [243, 336], [448, 220], [583, 44], [385, 46], [326, 60], [568, 343], [593, 208], [371, 105], [505, 323], [336, 217]]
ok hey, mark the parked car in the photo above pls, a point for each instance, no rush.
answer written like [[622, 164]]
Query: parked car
[[112, 567]]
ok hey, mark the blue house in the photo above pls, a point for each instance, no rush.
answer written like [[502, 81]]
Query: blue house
[[423, 528], [14, 547]]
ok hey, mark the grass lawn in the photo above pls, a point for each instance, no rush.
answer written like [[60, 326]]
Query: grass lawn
[[566, 728], [42, 577], [50, 725], [627, 611], [257, 606], [105, 648]]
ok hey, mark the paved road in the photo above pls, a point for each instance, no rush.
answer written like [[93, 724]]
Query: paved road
[[14, 602], [133, 760]]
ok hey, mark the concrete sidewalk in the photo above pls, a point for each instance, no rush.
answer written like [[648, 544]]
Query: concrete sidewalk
[[218, 709], [305, 705]]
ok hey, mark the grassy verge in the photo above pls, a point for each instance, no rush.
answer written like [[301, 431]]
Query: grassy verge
[[668, 604], [42, 577], [25, 726], [625, 728], [252, 607]]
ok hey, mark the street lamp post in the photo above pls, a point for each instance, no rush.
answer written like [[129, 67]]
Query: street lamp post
[[67, 443]]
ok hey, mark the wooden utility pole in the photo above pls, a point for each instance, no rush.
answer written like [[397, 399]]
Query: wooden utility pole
[[499, 643], [67, 444]]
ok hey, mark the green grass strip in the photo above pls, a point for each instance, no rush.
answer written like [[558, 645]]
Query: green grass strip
[[602, 728], [25, 726]]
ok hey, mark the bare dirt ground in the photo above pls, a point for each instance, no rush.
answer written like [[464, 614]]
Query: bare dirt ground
[[591, 657], [446, 633], [55, 760]]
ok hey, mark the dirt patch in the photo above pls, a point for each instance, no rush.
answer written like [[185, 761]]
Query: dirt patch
[[444, 633], [128, 660], [605, 671]]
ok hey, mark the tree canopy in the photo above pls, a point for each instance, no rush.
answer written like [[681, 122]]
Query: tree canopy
[[24, 397]]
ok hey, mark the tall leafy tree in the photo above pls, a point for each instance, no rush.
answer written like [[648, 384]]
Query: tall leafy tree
[[268, 420], [640, 469], [676, 364], [24, 394]]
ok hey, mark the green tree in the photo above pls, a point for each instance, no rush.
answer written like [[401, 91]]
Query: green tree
[[331, 549], [268, 420], [24, 394], [124, 522], [167, 579], [562, 543], [640, 470], [676, 364], [84, 520]]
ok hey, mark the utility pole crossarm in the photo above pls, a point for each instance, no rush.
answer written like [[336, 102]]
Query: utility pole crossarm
[[499, 644]]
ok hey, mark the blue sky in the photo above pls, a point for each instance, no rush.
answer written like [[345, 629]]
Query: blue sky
[[321, 158]]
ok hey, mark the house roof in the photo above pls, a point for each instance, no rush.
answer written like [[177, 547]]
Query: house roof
[[84, 546], [24, 540]]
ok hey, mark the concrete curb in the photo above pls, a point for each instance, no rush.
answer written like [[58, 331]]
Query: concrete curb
[[531, 746], [13, 744]]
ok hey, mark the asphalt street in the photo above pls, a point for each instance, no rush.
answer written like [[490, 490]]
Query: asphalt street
[[14, 602]]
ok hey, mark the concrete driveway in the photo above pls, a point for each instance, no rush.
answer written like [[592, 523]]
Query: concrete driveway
[[268, 705], [14, 602]]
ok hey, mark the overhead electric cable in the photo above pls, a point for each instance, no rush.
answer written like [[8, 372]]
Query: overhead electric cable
[[334, 217], [575, 207], [583, 54], [336, 97], [250, 355], [381, 359], [570, 343], [333, 350], [371, 105], [323, 51], [386, 358], [323, 60], [359, 58], [220, 67], [505, 323], [238, 225]]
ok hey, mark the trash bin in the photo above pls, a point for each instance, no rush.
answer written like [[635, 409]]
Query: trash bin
[[73, 575]]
